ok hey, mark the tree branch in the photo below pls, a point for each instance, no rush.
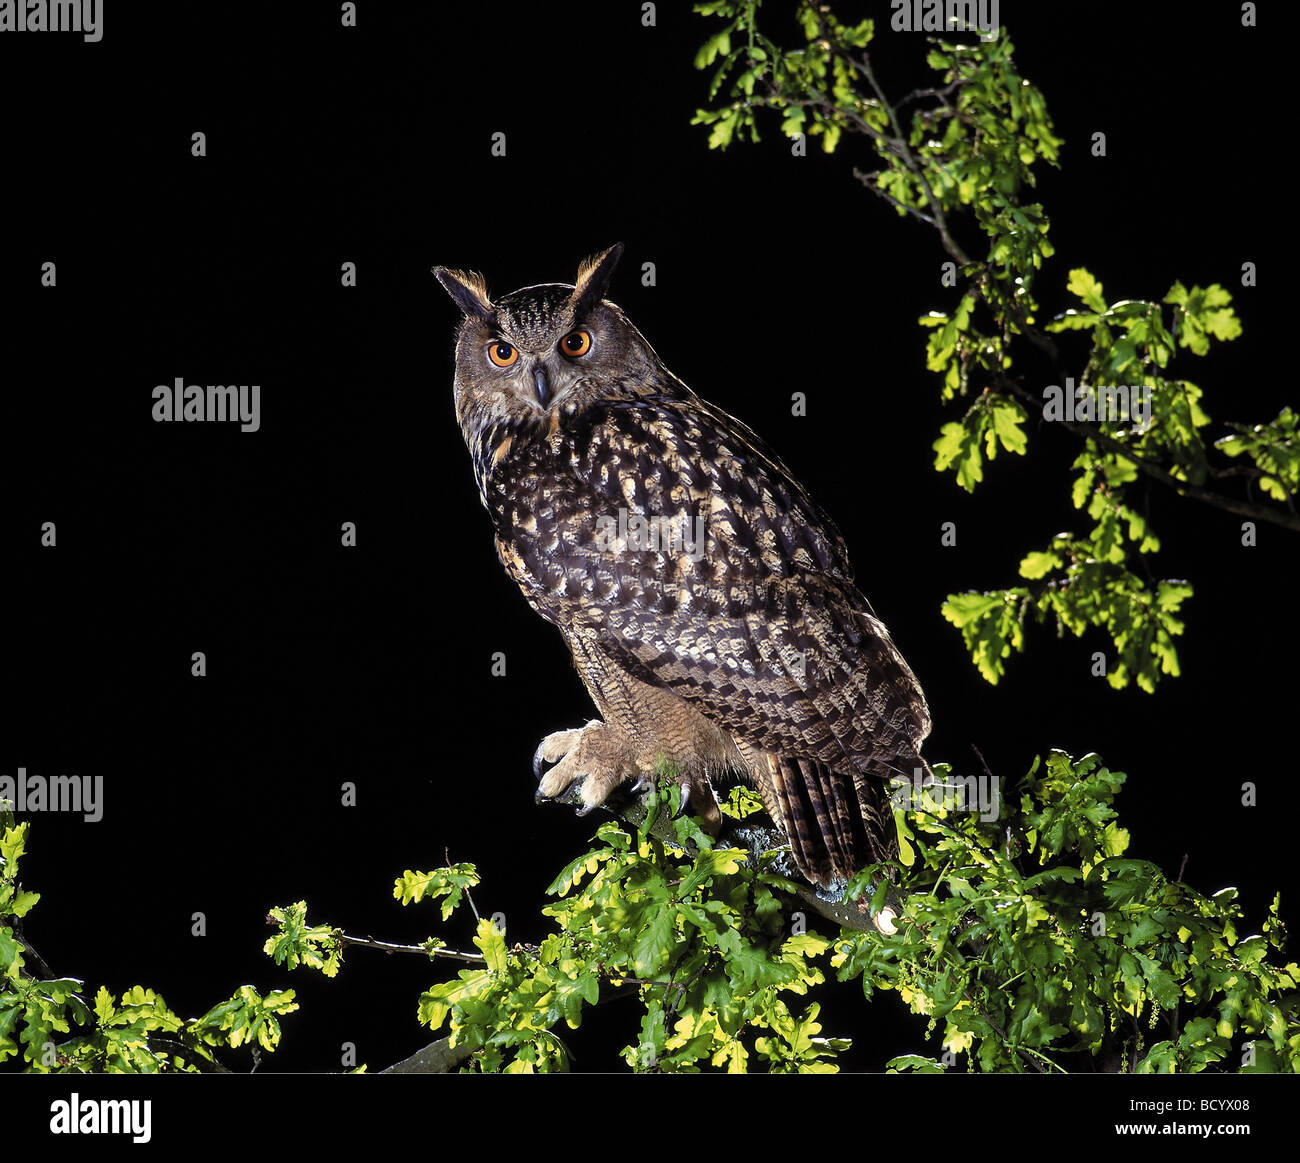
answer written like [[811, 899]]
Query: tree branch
[[1154, 471], [439, 1057], [900, 143], [389, 947], [188, 1054]]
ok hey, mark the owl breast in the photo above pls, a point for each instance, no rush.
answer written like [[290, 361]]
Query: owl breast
[[639, 505]]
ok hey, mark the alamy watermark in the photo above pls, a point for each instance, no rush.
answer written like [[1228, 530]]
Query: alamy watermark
[[102, 1116], [946, 16], [56, 793], [956, 793], [179, 401], [83, 16], [1114, 403], [679, 534]]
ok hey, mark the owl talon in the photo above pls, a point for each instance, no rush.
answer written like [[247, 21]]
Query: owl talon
[[702, 804], [684, 806]]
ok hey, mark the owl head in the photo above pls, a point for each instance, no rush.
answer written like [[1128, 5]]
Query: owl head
[[538, 356]]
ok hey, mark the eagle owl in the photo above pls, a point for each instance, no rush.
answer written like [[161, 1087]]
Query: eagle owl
[[708, 602]]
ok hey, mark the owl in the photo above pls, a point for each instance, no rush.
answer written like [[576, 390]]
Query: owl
[[707, 601]]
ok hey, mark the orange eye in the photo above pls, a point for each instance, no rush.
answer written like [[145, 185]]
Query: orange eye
[[576, 344], [501, 353]]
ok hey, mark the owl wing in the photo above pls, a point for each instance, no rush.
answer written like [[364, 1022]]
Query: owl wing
[[754, 616]]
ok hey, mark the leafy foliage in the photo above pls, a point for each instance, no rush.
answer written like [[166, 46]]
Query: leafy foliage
[[698, 932], [1029, 942], [1035, 943], [1086, 581], [297, 943], [960, 157], [444, 882], [51, 1025], [1275, 450]]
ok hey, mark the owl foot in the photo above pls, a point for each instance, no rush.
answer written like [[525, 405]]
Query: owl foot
[[554, 748], [602, 759], [593, 754]]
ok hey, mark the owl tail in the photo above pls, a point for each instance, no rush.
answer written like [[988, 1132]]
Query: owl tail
[[837, 823]]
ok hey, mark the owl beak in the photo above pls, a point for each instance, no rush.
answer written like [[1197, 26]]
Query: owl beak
[[543, 384]]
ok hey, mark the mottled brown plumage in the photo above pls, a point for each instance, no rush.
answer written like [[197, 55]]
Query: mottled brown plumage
[[708, 603]]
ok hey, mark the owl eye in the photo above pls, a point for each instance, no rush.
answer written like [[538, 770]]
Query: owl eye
[[502, 353], [576, 344]]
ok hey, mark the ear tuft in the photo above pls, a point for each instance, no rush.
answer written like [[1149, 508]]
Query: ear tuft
[[468, 291], [593, 279]]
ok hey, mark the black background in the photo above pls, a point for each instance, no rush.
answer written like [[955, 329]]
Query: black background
[[372, 665]]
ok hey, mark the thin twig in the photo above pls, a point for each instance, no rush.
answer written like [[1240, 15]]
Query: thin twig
[[980, 756], [446, 852], [424, 951], [941, 223]]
